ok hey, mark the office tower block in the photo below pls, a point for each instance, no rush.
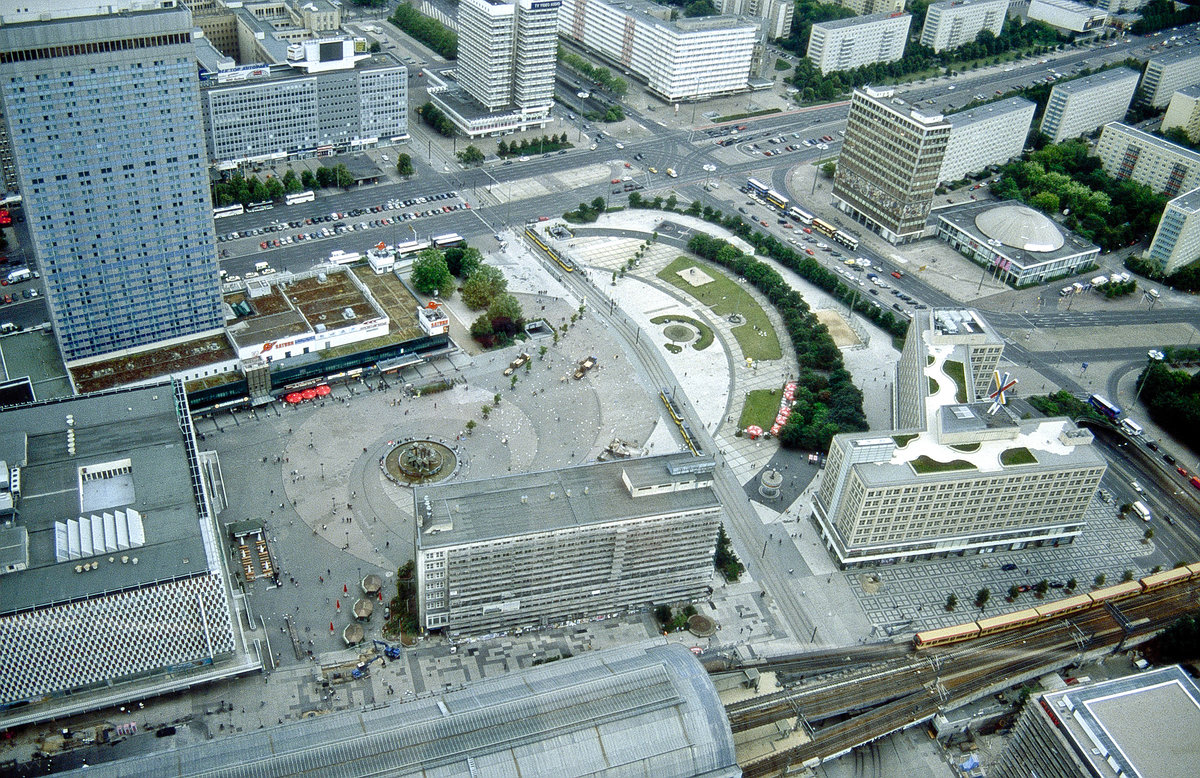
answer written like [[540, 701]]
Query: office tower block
[[843, 44], [990, 134], [103, 113], [1168, 72], [888, 168], [1177, 240], [506, 52], [1081, 105], [864, 7], [951, 23], [1184, 113]]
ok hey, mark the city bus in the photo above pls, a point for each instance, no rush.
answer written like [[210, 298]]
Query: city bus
[[776, 199], [846, 239], [411, 247], [300, 197], [1104, 406], [447, 240], [261, 205], [756, 186], [800, 215], [824, 227], [228, 210]]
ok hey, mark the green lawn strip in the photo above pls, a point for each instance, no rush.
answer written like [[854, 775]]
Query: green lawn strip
[[923, 465], [955, 370], [903, 440], [725, 296], [761, 408], [706, 334], [1017, 456]]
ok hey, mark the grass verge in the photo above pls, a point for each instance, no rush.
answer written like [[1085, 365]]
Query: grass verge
[[724, 296]]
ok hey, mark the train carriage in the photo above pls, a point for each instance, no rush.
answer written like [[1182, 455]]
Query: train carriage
[[1118, 592], [1007, 621], [1165, 578], [1058, 608], [937, 637]]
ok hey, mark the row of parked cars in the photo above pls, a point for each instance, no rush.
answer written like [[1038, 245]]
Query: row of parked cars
[[311, 228]]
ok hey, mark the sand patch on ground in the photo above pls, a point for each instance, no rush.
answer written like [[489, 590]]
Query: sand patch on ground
[[839, 330]]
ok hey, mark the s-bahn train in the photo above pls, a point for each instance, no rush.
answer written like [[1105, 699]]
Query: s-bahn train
[[1052, 610]]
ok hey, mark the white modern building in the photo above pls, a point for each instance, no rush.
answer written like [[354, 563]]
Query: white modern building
[[1129, 153], [951, 23], [990, 134], [1068, 15], [777, 14], [1184, 112], [536, 549], [1079, 106], [504, 79], [842, 44], [1015, 243], [969, 478], [1170, 71], [865, 7], [1177, 240], [685, 59], [888, 168]]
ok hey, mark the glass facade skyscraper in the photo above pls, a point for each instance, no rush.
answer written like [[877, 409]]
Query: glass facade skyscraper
[[104, 119]]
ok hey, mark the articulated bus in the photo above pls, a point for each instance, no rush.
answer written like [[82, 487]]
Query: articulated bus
[[447, 240], [846, 239], [800, 215], [825, 228], [228, 210], [1104, 406], [776, 199], [756, 186], [300, 197]]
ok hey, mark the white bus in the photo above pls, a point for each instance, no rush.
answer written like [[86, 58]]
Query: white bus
[[339, 257], [411, 247], [228, 210], [1141, 510], [300, 197], [447, 240], [1132, 427]]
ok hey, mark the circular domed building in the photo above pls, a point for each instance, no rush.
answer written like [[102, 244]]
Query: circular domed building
[[1019, 244]]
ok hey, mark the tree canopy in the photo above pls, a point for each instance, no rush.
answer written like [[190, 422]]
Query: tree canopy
[[430, 275], [429, 31]]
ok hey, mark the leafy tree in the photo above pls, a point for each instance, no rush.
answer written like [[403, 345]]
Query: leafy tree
[[344, 178], [662, 614], [463, 260], [982, 597], [429, 31], [1014, 592], [435, 118], [1127, 576], [1099, 580], [274, 188], [1041, 587], [430, 274], [951, 601], [505, 312], [308, 180], [542, 351], [485, 411], [470, 156], [470, 425], [829, 168], [1148, 535], [512, 384], [483, 286], [326, 176], [496, 398], [725, 560], [502, 149], [291, 182], [404, 165], [1072, 584]]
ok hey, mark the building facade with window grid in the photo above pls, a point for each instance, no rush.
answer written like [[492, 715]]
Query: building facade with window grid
[[1168, 72], [1177, 240], [888, 167], [951, 23], [1079, 106], [537, 549], [843, 44], [103, 114], [1129, 153], [292, 114]]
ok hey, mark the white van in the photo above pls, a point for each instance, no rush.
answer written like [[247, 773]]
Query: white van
[[261, 266], [1132, 427], [19, 275], [1141, 510]]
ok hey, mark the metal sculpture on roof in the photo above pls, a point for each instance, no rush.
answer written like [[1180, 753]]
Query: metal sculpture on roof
[[1002, 385]]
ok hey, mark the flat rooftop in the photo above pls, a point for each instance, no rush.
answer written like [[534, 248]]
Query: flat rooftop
[[34, 354], [139, 427], [324, 301], [1188, 201], [1145, 725], [1083, 84], [855, 21], [964, 218], [1153, 140], [152, 363], [983, 113], [1176, 56], [576, 496]]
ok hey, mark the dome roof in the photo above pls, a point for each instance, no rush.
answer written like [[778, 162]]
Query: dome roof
[[1020, 227]]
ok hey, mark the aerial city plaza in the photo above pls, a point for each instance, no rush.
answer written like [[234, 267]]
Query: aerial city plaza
[[556, 388]]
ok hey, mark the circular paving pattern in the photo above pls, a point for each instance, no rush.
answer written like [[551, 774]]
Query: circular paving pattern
[[679, 333]]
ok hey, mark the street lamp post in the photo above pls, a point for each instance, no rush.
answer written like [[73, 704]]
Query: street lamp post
[[1152, 356]]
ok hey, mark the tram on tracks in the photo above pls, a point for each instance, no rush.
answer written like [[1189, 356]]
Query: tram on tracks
[[1053, 610]]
